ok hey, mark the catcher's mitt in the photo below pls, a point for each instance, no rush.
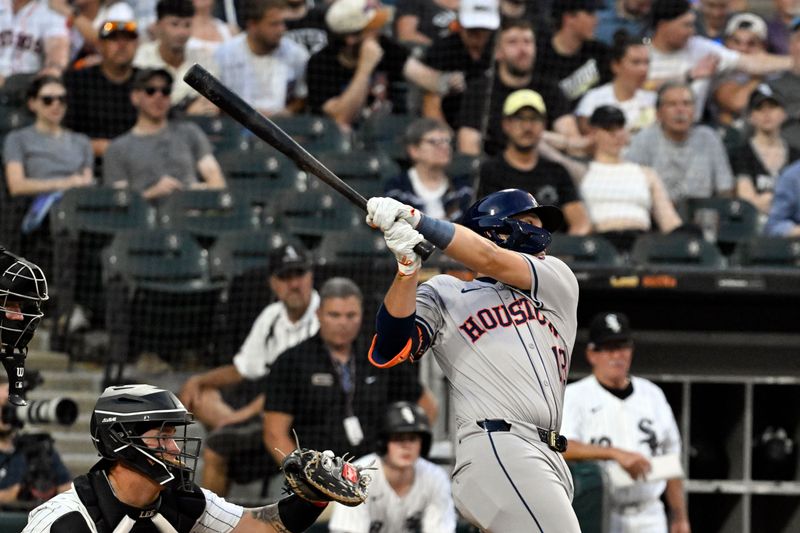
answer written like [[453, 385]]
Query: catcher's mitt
[[323, 477]]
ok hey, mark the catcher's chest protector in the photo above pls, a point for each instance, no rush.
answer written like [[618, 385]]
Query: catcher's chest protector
[[182, 509]]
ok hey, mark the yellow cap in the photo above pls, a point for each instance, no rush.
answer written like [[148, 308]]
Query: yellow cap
[[523, 98]]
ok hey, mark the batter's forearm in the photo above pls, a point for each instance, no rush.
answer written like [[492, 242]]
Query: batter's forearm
[[401, 298]]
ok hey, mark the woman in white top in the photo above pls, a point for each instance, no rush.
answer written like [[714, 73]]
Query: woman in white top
[[630, 59], [208, 32], [623, 198]]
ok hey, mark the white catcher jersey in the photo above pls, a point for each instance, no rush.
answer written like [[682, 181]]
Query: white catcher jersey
[[426, 508], [23, 35], [505, 352], [219, 515], [643, 422]]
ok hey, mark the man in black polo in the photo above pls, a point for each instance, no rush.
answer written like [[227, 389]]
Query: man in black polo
[[325, 388], [99, 97]]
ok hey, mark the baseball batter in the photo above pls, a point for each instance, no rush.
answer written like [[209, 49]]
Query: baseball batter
[[616, 417], [408, 494], [504, 342]]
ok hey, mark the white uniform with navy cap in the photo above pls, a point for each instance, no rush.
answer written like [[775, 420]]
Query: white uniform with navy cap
[[641, 421], [506, 354]]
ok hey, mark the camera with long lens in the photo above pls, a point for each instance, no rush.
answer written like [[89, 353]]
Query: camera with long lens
[[62, 411]]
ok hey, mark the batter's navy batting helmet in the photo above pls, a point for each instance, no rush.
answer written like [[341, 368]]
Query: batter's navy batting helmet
[[120, 417], [492, 217], [405, 417]]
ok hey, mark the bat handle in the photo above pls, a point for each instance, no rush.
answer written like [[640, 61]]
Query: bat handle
[[424, 249]]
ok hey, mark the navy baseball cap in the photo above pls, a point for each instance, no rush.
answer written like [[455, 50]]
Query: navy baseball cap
[[607, 117], [570, 6], [609, 327], [764, 93], [287, 258]]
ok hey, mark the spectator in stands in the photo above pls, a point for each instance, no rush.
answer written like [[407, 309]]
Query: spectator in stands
[[614, 417], [16, 481], [689, 158], [570, 56], [158, 157], [407, 492], [34, 39], [515, 54], [305, 24], [229, 400], [787, 87], [424, 21], [758, 163], [327, 391], [262, 65], [208, 32], [426, 185], [676, 54], [468, 50], [745, 33], [361, 71], [629, 15], [711, 18], [622, 198], [110, 82], [520, 165], [780, 27], [169, 52], [46, 157], [630, 59], [84, 20], [784, 216]]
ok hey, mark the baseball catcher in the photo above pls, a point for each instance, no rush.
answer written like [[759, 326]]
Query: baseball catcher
[[144, 481], [23, 288]]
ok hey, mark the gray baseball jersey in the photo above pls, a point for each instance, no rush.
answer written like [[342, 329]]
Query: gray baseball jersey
[[506, 354]]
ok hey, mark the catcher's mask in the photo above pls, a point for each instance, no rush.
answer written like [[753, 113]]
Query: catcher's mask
[[23, 288], [492, 218], [122, 416], [405, 417]]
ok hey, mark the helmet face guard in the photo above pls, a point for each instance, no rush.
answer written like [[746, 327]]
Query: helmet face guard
[[145, 428], [23, 288], [493, 218]]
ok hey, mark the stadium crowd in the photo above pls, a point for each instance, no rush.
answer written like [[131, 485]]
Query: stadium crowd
[[621, 112]]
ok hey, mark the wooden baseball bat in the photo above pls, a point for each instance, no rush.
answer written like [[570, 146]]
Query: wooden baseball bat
[[209, 86]]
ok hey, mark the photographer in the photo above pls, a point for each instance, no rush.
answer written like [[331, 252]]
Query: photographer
[[30, 468]]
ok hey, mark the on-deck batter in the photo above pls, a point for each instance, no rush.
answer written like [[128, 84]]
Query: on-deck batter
[[504, 341]]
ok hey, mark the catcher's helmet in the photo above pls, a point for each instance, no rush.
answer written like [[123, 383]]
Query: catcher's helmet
[[123, 413], [405, 417], [23, 288], [492, 217]]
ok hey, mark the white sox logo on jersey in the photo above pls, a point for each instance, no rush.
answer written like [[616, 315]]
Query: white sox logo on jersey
[[516, 313]]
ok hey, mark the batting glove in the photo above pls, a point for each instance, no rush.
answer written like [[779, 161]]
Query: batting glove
[[401, 239], [383, 212]]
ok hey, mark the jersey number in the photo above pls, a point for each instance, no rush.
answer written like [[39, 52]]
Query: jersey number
[[561, 363]]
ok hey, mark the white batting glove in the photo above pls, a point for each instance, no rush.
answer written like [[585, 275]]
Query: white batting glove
[[383, 212], [401, 239]]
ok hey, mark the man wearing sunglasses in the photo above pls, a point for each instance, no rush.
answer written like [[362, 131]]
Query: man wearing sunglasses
[[109, 82], [158, 157], [614, 417]]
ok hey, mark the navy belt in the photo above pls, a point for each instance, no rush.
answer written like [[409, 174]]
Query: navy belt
[[554, 441]]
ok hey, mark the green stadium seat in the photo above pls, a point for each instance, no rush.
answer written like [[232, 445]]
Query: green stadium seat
[[256, 161], [771, 252], [162, 299], [582, 252], [242, 251], [313, 132], [223, 132], [463, 165], [102, 210], [13, 117], [353, 245], [387, 134], [676, 249], [206, 214], [738, 219], [312, 214]]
